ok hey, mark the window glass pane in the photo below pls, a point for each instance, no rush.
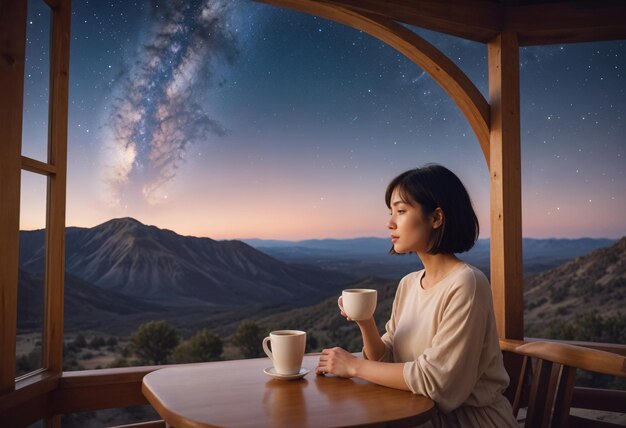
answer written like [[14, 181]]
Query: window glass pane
[[30, 293], [36, 81]]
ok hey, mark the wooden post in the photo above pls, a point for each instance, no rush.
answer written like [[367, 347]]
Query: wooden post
[[12, 45], [505, 186], [57, 157]]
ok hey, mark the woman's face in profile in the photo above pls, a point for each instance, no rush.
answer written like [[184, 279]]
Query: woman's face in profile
[[411, 230]]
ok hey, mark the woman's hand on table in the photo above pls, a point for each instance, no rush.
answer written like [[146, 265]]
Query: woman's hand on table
[[337, 361]]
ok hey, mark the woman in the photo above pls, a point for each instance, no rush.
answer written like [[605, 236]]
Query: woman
[[441, 340]]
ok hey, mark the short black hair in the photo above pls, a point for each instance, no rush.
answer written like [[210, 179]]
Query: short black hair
[[434, 186]]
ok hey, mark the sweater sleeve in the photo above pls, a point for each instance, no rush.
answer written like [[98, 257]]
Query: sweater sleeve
[[447, 371], [390, 328]]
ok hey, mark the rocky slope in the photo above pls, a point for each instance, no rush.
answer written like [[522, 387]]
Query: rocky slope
[[158, 265]]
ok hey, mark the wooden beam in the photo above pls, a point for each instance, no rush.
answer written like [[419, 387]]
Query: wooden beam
[[99, 389], [79, 399], [505, 187], [616, 348], [536, 23], [608, 400], [25, 414], [477, 20], [46, 394], [567, 22], [28, 388], [28, 403], [12, 44], [37, 167], [450, 77], [565, 354], [57, 157]]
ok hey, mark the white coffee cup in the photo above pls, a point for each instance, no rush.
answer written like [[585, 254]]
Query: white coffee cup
[[287, 350], [359, 303]]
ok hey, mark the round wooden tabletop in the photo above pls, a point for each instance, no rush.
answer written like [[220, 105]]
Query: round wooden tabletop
[[239, 394]]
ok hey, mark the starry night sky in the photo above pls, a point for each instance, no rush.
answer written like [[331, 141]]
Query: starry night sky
[[235, 119]]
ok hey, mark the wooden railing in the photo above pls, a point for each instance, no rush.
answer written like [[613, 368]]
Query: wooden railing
[[43, 396]]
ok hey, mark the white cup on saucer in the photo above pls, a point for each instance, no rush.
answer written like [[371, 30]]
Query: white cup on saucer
[[287, 350]]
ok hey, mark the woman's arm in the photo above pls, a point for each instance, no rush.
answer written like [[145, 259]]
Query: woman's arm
[[373, 346], [342, 363]]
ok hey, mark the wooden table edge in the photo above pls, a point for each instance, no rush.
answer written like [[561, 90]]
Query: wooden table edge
[[170, 417], [176, 420]]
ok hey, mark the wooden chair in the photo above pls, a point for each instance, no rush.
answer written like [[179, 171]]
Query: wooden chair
[[517, 367], [553, 376]]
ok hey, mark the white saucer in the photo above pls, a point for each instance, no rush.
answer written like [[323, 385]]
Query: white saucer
[[270, 371]]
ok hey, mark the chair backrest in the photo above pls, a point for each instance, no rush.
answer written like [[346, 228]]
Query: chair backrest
[[553, 378], [517, 367]]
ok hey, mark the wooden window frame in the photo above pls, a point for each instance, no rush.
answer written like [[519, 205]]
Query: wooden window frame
[[13, 35], [48, 391]]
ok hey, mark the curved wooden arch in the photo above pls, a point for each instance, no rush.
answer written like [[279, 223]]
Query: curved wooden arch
[[450, 77]]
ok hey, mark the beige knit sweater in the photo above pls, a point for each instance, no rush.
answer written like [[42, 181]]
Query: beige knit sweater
[[446, 336]]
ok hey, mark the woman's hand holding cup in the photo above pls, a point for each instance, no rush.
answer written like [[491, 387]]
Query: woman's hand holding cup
[[357, 304], [343, 313]]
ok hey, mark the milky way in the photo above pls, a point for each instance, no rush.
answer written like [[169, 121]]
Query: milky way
[[156, 115]]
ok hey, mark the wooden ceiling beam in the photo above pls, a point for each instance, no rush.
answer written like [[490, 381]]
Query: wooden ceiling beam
[[536, 22], [567, 22], [477, 20]]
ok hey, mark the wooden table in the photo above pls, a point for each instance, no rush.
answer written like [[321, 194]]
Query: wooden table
[[239, 394]]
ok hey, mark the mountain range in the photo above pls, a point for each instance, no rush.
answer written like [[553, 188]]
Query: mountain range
[[159, 266], [369, 256], [122, 273]]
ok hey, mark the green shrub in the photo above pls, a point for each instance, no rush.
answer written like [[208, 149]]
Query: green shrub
[[153, 342], [203, 346]]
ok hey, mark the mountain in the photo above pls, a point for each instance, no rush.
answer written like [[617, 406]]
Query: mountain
[[158, 265], [588, 292], [85, 305]]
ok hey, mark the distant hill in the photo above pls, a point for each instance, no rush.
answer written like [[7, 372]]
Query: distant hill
[[533, 248], [160, 266], [369, 256], [583, 297]]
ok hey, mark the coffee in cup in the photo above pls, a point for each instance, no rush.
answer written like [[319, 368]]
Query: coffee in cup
[[359, 303], [287, 350]]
